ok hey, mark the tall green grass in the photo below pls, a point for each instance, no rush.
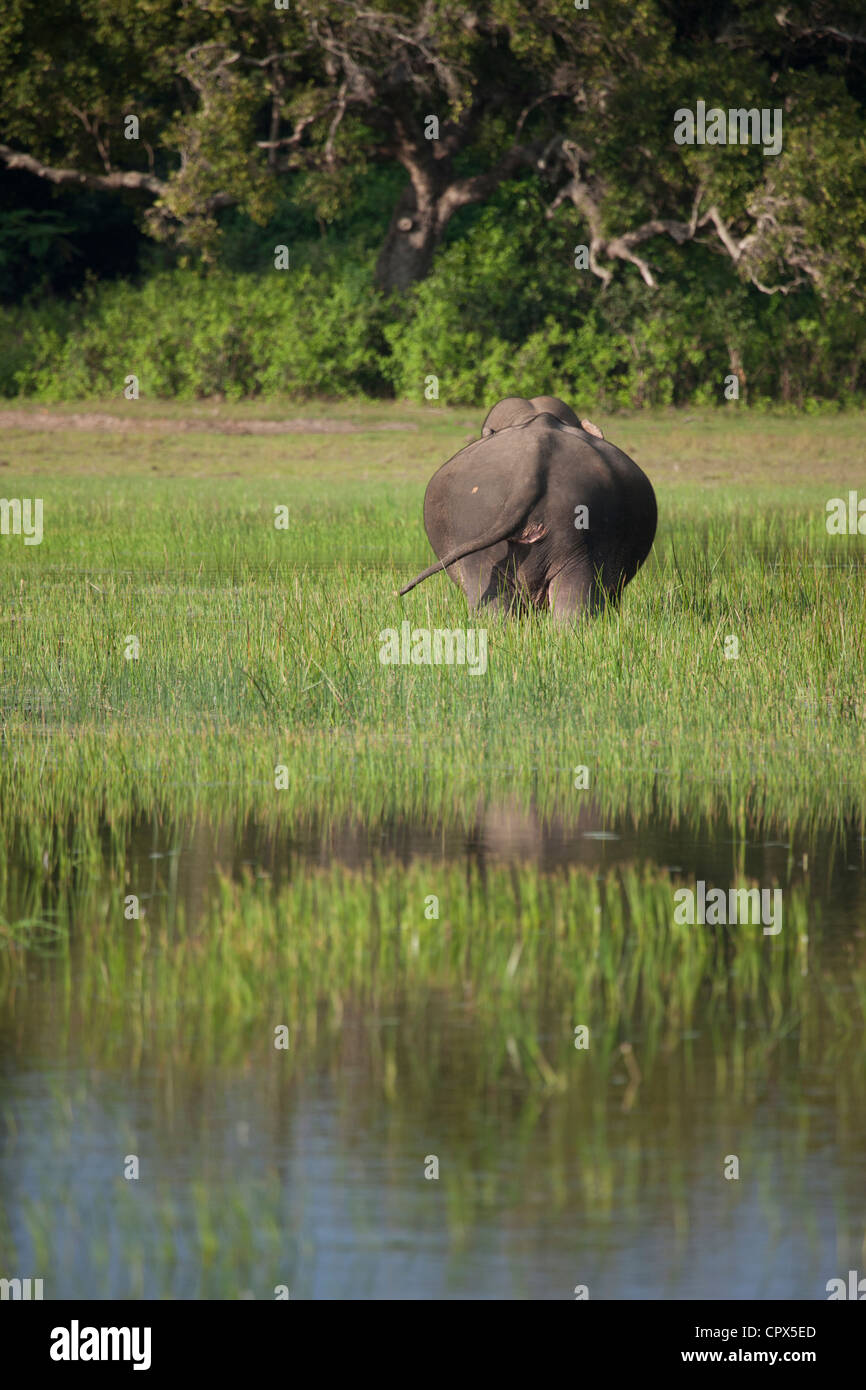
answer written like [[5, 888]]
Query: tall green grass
[[260, 647]]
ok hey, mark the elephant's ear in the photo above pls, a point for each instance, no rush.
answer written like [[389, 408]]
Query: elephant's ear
[[591, 429]]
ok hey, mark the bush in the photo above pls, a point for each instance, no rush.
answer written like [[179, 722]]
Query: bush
[[186, 335], [504, 312]]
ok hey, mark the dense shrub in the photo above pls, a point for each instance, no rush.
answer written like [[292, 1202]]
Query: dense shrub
[[186, 335], [503, 312]]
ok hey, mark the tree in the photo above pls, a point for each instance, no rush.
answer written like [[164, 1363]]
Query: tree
[[238, 93], [233, 95], [70, 77]]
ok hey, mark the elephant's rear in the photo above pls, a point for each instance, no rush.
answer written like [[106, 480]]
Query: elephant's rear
[[636, 509], [465, 496]]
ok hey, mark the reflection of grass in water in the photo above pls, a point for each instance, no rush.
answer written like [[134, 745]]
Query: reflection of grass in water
[[193, 1240], [461, 1027], [523, 952], [519, 958], [38, 934]]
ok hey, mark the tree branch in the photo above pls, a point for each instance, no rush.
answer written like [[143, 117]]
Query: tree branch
[[588, 196], [479, 186], [819, 31], [121, 178]]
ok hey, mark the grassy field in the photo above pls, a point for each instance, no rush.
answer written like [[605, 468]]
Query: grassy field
[[260, 646]]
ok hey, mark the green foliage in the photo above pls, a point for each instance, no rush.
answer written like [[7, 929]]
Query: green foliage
[[185, 335], [304, 127], [238, 101], [503, 312], [23, 232]]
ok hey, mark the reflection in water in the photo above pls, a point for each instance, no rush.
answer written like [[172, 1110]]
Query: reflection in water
[[413, 1034]]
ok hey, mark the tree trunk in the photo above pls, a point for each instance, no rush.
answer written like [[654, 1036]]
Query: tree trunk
[[410, 242], [428, 203]]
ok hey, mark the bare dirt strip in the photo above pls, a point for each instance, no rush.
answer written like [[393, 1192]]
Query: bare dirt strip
[[41, 420]]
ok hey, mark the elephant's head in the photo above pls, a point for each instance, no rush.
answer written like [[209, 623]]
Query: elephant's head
[[552, 405], [516, 410]]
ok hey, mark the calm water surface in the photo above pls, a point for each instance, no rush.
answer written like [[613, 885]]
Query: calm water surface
[[312, 1177]]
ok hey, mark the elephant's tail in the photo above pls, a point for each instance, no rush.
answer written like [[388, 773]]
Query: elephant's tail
[[492, 537]]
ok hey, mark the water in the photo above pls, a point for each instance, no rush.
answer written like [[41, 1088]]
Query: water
[[305, 1170]]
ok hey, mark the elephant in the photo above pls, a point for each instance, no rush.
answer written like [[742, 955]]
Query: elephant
[[541, 512]]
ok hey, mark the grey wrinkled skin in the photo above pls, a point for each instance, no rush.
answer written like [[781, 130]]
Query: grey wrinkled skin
[[500, 514]]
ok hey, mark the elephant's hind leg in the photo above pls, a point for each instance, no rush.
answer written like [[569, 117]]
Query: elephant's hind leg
[[492, 585], [575, 593]]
